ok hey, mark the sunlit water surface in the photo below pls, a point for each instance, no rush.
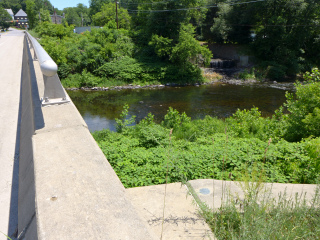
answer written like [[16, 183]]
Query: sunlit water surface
[[100, 108]]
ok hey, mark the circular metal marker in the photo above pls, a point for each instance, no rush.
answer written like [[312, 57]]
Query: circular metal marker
[[204, 191]]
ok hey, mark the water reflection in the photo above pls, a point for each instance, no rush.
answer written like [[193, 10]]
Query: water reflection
[[99, 109]]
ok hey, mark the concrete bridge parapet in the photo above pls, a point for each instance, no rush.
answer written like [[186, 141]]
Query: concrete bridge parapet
[[67, 188]]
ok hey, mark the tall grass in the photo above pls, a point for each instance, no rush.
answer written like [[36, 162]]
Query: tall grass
[[268, 218], [259, 215]]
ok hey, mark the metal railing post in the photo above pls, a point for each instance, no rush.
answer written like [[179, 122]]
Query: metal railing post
[[54, 93]]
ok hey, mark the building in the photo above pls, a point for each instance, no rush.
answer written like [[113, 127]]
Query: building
[[56, 19], [21, 19], [10, 12]]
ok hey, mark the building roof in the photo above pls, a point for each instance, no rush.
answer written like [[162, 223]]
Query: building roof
[[21, 13], [10, 12]]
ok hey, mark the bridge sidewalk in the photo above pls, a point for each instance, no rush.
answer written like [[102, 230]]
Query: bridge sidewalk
[[11, 45]]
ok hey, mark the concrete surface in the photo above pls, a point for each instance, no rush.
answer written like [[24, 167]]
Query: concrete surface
[[181, 220], [29, 102], [78, 194], [214, 192], [11, 44]]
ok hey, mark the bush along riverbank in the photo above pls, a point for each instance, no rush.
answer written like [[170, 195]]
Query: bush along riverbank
[[221, 149], [109, 56]]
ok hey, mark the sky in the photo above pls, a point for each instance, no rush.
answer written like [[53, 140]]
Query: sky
[[61, 4]]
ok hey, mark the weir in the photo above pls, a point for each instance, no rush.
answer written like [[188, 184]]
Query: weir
[[67, 188]]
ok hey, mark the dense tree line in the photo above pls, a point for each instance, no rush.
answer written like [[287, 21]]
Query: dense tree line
[[16, 5], [282, 35]]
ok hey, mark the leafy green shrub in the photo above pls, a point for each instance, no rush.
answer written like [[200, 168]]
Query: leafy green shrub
[[53, 30], [199, 128], [313, 150], [247, 75], [152, 135], [126, 68], [73, 80], [124, 120], [55, 48], [249, 123], [140, 153], [271, 70], [87, 79], [276, 72], [304, 108], [189, 74], [173, 119]]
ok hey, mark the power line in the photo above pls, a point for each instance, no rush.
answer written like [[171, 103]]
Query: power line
[[177, 20], [195, 8], [145, 3], [126, 3]]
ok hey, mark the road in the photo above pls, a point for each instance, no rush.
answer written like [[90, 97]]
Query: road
[[11, 49]]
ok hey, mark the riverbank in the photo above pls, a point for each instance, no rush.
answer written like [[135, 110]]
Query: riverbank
[[212, 76], [227, 80]]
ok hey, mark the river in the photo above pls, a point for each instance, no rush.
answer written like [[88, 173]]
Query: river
[[100, 108]]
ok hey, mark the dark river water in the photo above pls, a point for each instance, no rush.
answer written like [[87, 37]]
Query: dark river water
[[100, 108]]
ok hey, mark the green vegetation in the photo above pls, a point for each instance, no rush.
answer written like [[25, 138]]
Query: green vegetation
[[235, 145], [5, 19], [108, 56], [259, 216], [15, 5], [247, 74], [244, 147], [282, 34], [158, 42]]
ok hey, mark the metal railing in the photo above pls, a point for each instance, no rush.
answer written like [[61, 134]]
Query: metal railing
[[53, 90]]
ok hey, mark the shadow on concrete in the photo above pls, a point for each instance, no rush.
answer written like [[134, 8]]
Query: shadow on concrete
[[13, 214], [38, 124]]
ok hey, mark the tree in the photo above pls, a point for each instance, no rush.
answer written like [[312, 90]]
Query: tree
[[5, 18], [188, 49], [83, 12], [286, 32], [164, 19], [304, 108], [78, 16], [15, 5], [108, 13], [96, 5], [72, 17], [220, 28], [32, 13], [45, 15]]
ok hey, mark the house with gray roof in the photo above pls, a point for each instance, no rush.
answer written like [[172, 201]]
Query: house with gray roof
[[21, 19]]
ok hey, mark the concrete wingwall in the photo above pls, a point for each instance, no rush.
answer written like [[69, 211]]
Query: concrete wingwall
[[67, 188], [231, 52]]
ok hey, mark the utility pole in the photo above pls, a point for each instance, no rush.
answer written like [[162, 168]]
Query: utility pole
[[81, 20], [117, 14]]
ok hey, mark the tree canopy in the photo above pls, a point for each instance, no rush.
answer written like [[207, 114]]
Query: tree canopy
[[5, 18], [282, 35], [108, 13]]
